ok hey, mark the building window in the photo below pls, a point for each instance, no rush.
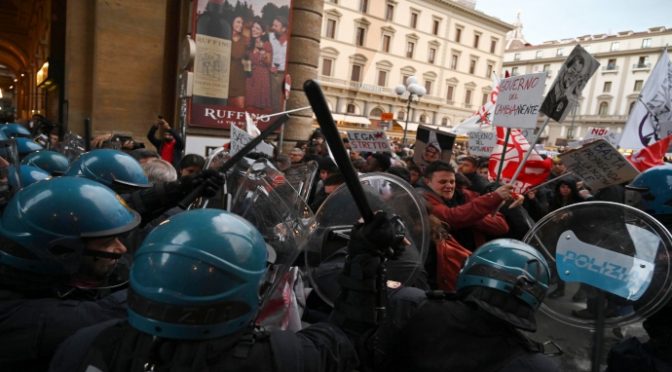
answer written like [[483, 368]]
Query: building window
[[423, 118], [363, 6], [327, 65], [387, 40], [333, 1], [514, 71], [382, 78], [611, 64], [546, 68], [540, 54], [458, 34], [449, 93], [560, 52], [414, 19], [401, 115], [444, 121], [646, 43], [615, 46], [410, 48], [516, 56], [431, 55], [632, 106], [435, 26], [472, 66], [331, 28], [350, 108], [453, 61], [488, 71], [477, 39], [638, 85], [389, 12], [467, 97], [642, 62], [485, 99], [428, 87], [356, 74], [604, 109], [607, 87], [493, 45], [361, 36]]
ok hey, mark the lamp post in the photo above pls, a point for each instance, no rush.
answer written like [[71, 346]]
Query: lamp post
[[414, 90]]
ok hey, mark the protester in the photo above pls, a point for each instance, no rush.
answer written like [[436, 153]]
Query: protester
[[377, 162], [159, 171], [473, 219], [468, 166], [170, 145], [190, 164]]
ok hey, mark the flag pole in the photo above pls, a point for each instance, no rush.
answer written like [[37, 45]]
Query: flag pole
[[527, 155], [501, 158]]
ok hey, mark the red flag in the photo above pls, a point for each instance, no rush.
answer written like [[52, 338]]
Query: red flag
[[535, 171], [651, 155]]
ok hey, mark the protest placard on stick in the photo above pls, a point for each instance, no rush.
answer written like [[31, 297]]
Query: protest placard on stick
[[599, 164]]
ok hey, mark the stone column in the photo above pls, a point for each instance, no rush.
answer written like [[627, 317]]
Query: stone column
[[302, 61]]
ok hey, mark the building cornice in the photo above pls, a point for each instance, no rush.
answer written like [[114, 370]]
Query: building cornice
[[475, 13]]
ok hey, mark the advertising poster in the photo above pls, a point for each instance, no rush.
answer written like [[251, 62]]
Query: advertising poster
[[240, 63]]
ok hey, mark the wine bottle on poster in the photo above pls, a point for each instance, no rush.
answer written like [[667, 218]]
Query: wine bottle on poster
[[213, 56]]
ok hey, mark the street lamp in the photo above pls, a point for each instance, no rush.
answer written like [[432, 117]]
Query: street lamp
[[414, 89]]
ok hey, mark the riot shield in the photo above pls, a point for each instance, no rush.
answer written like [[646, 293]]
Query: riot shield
[[72, 146], [9, 170], [271, 204], [301, 177], [611, 269], [325, 254]]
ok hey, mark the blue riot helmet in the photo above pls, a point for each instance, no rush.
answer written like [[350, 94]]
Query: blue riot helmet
[[27, 146], [3, 136], [197, 276], [506, 278], [28, 175], [45, 226], [113, 168], [51, 161], [14, 130], [651, 191]]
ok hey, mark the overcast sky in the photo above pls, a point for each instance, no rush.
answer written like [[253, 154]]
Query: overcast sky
[[545, 20]]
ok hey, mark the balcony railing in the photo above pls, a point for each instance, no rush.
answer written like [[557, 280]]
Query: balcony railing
[[641, 66], [610, 68]]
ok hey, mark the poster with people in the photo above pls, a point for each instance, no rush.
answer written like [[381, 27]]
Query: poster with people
[[432, 145], [566, 89], [240, 63]]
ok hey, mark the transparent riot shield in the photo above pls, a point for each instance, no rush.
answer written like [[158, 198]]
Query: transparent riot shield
[[610, 269], [10, 182], [325, 254], [301, 177], [271, 204], [72, 146]]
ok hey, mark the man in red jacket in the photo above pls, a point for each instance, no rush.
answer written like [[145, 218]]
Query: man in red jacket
[[473, 219]]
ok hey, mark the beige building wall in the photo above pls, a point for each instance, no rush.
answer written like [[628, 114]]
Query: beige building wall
[[435, 28], [626, 60]]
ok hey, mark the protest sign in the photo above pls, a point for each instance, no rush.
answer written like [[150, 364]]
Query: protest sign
[[599, 164], [595, 132], [369, 141], [240, 138], [567, 86], [481, 143], [519, 100], [432, 145]]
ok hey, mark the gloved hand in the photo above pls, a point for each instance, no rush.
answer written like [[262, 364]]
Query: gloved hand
[[383, 237], [208, 182]]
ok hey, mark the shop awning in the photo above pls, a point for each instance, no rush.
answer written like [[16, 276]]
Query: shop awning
[[351, 119]]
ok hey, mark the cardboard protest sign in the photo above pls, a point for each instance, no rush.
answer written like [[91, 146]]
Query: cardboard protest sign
[[240, 138], [369, 141], [518, 101], [595, 133], [481, 143], [432, 145], [599, 164], [567, 86]]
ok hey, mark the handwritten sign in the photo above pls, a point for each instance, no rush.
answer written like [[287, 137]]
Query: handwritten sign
[[240, 138], [369, 141], [599, 164], [519, 100], [481, 143], [606, 133]]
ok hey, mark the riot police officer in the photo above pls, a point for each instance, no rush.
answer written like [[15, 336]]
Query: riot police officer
[[498, 291], [58, 245], [194, 295]]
